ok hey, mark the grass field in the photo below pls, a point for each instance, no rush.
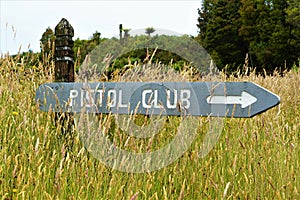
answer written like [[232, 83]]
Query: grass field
[[256, 158]]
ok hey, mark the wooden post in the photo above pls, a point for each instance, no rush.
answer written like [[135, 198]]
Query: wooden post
[[64, 55], [64, 69], [121, 30]]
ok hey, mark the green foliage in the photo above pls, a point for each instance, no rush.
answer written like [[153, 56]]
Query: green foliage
[[267, 30], [146, 55], [149, 30], [142, 49], [293, 20], [47, 42], [220, 23], [83, 47], [167, 50]]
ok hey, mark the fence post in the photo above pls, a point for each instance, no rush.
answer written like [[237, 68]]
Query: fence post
[[64, 67], [64, 55]]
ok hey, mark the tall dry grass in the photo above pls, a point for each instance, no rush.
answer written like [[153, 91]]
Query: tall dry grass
[[255, 158]]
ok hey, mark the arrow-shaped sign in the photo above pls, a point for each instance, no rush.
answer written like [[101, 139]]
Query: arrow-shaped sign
[[227, 99], [245, 99]]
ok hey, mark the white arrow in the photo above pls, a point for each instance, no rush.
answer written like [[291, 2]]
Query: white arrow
[[245, 99]]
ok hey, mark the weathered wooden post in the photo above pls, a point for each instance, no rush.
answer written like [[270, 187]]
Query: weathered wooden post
[[121, 30], [64, 55], [64, 66]]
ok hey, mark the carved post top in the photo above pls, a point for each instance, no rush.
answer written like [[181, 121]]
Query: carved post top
[[64, 28], [64, 55]]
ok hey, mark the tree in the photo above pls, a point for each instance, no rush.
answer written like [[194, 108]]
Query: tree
[[269, 48], [203, 19], [47, 41], [248, 16], [83, 47], [265, 29], [126, 32], [293, 13], [219, 24], [293, 20], [96, 38], [149, 30]]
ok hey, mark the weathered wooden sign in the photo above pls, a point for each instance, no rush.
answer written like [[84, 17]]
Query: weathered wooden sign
[[224, 99]]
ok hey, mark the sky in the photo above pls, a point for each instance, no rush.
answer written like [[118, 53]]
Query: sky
[[22, 23]]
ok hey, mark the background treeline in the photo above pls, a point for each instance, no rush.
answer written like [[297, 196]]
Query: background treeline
[[267, 30], [126, 50]]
